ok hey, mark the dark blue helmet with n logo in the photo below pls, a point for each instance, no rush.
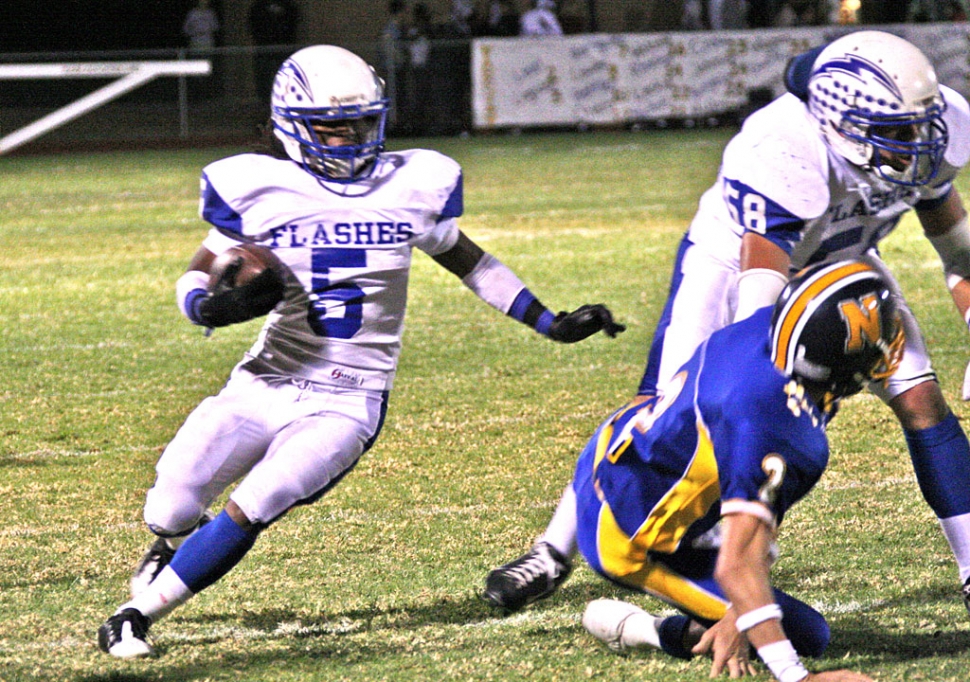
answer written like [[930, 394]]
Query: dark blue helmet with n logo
[[836, 326]]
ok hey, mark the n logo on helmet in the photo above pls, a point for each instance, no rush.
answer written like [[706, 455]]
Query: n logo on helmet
[[863, 326]]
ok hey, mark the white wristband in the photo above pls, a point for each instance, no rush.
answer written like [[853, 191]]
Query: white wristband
[[782, 659], [188, 282], [748, 620]]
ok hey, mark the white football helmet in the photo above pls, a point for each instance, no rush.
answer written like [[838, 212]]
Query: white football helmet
[[878, 105], [328, 85]]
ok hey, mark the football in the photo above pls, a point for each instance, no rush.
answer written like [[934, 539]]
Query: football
[[241, 264]]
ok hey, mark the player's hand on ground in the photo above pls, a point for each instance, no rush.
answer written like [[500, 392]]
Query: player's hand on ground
[[838, 676], [583, 322], [728, 647]]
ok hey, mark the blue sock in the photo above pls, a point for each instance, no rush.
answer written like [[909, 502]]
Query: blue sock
[[211, 552], [672, 630], [806, 628], [941, 458]]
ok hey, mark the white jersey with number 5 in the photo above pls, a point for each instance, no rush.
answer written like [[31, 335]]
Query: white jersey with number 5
[[348, 248]]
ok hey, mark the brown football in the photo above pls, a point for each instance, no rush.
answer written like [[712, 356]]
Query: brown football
[[252, 258]]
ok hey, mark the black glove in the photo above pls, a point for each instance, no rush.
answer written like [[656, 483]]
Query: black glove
[[232, 305], [583, 322]]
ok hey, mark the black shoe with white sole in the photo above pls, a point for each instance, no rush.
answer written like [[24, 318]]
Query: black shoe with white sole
[[125, 635]]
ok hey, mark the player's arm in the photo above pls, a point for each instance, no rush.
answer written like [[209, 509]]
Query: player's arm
[[764, 273], [219, 306], [945, 225], [501, 288], [743, 572]]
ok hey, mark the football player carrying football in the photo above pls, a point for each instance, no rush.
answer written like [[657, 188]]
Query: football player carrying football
[[822, 173], [309, 397], [681, 496]]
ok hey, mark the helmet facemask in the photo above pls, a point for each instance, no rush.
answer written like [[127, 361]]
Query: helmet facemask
[[362, 128], [903, 149]]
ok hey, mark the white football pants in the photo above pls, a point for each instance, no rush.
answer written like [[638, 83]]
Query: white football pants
[[288, 440]]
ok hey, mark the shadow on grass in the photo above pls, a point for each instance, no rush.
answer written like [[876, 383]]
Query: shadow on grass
[[856, 633], [897, 645], [304, 641]]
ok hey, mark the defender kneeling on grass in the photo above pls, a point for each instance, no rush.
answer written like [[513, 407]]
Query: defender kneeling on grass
[[680, 496]]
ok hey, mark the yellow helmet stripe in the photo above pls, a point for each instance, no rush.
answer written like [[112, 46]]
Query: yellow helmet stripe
[[796, 309]]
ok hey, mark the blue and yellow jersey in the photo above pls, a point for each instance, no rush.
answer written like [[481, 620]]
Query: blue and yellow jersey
[[729, 427]]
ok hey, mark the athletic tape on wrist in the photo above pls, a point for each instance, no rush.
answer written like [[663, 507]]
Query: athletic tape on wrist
[[748, 620], [782, 659]]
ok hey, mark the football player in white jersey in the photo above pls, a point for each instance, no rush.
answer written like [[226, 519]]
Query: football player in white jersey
[[309, 397], [820, 174]]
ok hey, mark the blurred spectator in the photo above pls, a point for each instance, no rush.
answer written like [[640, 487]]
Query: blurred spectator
[[461, 20], [938, 10], [200, 26], [692, 16], [396, 26], [541, 20], [393, 58], [448, 100], [417, 90], [726, 14], [956, 10], [797, 13], [848, 12], [502, 19], [272, 25]]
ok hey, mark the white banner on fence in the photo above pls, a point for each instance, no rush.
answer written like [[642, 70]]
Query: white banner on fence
[[604, 79]]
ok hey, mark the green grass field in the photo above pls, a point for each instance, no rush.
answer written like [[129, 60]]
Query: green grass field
[[379, 580]]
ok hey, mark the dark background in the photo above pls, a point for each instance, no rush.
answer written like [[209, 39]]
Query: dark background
[[92, 25]]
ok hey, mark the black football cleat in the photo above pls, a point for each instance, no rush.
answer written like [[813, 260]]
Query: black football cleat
[[125, 635], [158, 556], [534, 575]]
